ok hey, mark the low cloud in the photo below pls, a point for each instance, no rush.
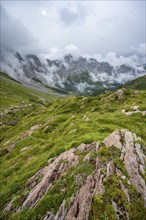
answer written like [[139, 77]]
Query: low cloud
[[58, 53], [116, 60], [138, 57], [140, 50]]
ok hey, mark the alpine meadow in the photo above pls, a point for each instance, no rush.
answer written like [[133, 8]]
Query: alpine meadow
[[73, 110]]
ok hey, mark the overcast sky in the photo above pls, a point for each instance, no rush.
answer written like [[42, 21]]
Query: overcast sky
[[86, 27]]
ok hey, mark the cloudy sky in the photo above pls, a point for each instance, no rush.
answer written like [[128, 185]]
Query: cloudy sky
[[86, 27]]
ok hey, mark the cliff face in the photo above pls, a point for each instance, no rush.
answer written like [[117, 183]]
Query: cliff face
[[109, 181]]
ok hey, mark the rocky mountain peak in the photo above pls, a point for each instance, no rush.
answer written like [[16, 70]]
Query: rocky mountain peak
[[34, 58], [68, 58], [124, 69], [68, 73], [19, 57]]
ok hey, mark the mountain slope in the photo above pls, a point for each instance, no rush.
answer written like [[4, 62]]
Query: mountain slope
[[12, 92], [139, 83], [56, 159]]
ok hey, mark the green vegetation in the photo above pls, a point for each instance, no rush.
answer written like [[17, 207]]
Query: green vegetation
[[72, 121], [139, 83], [114, 194], [13, 93], [105, 210]]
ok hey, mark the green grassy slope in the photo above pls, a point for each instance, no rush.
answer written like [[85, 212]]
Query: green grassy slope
[[73, 121], [139, 83], [14, 93]]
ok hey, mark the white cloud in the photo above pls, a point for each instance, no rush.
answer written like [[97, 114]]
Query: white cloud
[[112, 58], [57, 53], [115, 60], [93, 26], [140, 50]]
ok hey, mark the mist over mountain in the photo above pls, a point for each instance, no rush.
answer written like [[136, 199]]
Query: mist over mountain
[[77, 47], [71, 72]]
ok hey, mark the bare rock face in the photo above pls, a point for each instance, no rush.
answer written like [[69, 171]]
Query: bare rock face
[[56, 167], [114, 140], [52, 172], [80, 205], [133, 157]]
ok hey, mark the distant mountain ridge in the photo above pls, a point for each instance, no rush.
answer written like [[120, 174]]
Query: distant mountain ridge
[[74, 75]]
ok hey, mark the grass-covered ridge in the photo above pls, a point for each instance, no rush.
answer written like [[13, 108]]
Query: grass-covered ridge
[[71, 121], [139, 83]]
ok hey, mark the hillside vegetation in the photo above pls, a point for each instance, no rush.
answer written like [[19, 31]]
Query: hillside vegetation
[[13, 93], [36, 127], [139, 83]]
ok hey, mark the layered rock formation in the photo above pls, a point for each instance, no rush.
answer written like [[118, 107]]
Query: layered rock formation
[[116, 180]]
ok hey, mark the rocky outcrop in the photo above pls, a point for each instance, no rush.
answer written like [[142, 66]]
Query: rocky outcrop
[[133, 112], [51, 173], [14, 109], [131, 157], [44, 179], [80, 206]]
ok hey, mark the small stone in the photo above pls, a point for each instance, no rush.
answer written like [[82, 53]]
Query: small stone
[[35, 127], [122, 156], [87, 157], [82, 147], [24, 148], [97, 146], [135, 108], [123, 111], [123, 177], [114, 206]]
